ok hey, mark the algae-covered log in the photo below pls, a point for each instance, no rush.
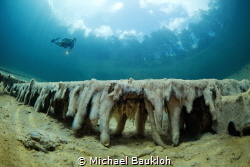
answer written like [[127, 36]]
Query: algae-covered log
[[9, 80], [206, 103]]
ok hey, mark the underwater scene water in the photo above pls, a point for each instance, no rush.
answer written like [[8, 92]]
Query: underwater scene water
[[213, 44]]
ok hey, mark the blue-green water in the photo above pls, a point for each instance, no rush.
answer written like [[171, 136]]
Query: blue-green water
[[215, 47]]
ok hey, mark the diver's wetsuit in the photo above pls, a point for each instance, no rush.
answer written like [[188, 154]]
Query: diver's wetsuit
[[66, 42]]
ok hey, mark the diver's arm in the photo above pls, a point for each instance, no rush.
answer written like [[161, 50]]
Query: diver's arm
[[71, 46], [68, 51]]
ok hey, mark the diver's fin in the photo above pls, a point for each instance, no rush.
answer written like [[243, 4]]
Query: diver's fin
[[53, 40]]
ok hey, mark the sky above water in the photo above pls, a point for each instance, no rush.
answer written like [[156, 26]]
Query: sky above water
[[125, 17]]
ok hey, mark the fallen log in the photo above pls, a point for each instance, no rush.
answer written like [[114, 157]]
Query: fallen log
[[192, 104]]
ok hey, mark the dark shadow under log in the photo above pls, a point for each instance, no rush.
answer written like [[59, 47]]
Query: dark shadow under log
[[199, 120]]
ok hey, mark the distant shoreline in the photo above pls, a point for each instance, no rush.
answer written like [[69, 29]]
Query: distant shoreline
[[18, 75], [10, 72]]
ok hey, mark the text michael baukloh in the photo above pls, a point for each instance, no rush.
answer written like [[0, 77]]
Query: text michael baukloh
[[130, 161]]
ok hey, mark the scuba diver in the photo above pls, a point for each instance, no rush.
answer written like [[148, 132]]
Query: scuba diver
[[66, 42]]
